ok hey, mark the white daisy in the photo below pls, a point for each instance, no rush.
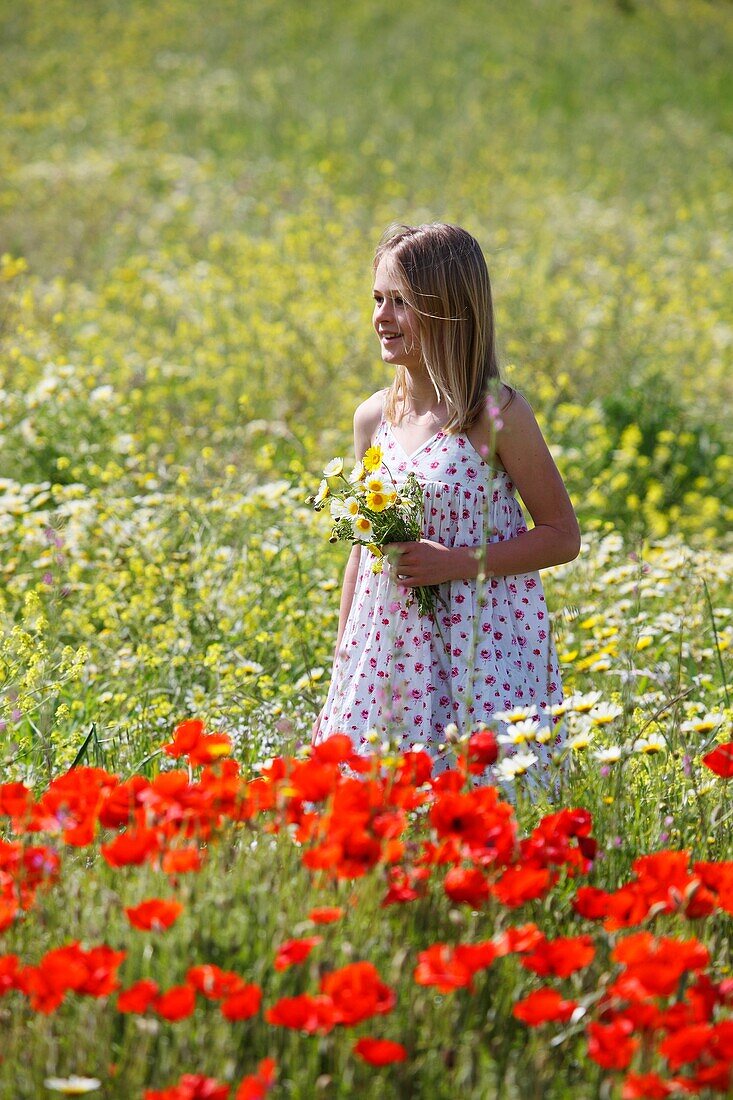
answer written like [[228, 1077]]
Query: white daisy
[[348, 507], [604, 713], [705, 724], [73, 1086], [362, 529], [519, 733], [610, 755], [649, 745], [580, 741], [511, 766], [519, 714], [581, 704]]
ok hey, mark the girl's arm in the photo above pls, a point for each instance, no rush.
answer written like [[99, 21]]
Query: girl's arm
[[366, 421], [554, 539]]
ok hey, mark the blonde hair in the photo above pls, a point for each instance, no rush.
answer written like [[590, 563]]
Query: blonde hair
[[442, 276]]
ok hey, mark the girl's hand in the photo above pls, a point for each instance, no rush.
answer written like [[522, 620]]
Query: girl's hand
[[418, 564]]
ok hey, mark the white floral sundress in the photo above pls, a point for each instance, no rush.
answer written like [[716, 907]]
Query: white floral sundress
[[491, 649]]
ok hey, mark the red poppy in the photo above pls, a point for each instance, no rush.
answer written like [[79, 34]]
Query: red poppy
[[102, 964], [591, 902], [357, 992], [405, 885], [476, 956], [192, 1086], [477, 817], [326, 914], [293, 952], [154, 915], [483, 751], [185, 737], [521, 884], [560, 957], [176, 1004], [16, 801], [336, 749], [440, 967], [303, 1013], [612, 1045], [389, 825], [8, 973], [131, 847], [243, 1003], [256, 1086], [521, 939], [380, 1052], [70, 969], [312, 781], [190, 740], [662, 874], [655, 966], [414, 770], [720, 760], [467, 885], [717, 878], [139, 997], [543, 1007], [212, 982], [649, 1086], [178, 861], [72, 803], [120, 803], [718, 1077], [686, 1045], [561, 839], [360, 851]]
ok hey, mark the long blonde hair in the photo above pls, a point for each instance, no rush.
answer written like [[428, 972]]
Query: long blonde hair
[[442, 275]]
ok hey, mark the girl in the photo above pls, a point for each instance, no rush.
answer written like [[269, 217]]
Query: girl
[[489, 650]]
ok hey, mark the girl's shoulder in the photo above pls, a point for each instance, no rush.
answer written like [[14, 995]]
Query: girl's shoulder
[[369, 413], [367, 419], [507, 396], [514, 408]]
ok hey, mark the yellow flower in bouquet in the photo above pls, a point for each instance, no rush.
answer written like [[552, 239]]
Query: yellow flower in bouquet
[[371, 511], [372, 459]]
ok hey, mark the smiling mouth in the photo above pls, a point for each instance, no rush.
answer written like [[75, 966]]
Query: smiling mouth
[[390, 335]]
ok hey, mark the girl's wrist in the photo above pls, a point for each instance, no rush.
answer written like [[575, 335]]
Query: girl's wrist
[[469, 562]]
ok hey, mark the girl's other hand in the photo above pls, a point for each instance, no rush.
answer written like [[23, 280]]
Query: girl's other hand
[[421, 564]]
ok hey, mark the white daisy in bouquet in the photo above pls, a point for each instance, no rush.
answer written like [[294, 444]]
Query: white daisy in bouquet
[[367, 507]]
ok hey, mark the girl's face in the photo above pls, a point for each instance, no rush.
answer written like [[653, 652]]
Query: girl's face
[[394, 322]]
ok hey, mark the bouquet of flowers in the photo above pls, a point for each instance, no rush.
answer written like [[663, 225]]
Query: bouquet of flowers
[[366, 508]]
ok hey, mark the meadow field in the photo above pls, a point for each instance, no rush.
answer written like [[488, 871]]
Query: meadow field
[[190, 199]]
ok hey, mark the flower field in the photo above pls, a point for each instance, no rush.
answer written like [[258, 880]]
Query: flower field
[[192, 902]]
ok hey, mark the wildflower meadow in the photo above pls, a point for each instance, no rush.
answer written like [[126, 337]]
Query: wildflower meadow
[[194, 903]]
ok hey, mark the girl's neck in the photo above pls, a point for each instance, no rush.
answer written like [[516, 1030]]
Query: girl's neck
[[421, 400]]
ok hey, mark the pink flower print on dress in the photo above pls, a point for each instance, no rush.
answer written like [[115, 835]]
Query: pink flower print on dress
[[428, 673]]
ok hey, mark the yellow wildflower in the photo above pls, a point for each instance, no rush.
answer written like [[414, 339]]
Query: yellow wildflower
[[372, 459]]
